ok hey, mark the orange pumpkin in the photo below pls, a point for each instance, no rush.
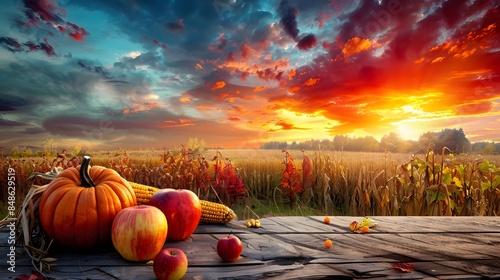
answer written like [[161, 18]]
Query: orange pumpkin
[[78, 207]]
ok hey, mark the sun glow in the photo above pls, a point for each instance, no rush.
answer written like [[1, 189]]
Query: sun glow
[[299, 126]]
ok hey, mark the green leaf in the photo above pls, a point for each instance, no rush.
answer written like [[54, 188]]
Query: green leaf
[[461, 169], [447, 179], [496, 181], [453, 205], [432, 193], [485, 186]]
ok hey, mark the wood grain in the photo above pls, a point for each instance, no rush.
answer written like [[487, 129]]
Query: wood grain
[[292, 248]]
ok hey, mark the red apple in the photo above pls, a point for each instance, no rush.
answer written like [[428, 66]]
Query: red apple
[[170, 264], [229, 248], [182, 209], [139, 232]]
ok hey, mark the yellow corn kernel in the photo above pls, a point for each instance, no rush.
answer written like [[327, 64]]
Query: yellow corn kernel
[[143, 192], [216, 213]]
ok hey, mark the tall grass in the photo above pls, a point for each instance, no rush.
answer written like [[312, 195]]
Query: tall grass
[[338, 183]]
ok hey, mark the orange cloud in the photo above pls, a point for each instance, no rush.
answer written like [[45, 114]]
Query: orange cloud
[[294, 89], [218, 84], [234, 119], [224, 95], [311, 82], [177, 123], [205, 107], [142, 106], [259, 88], [245, 51], [185, 99], [286, 125], [356, 45], [438, 59], [474, 108]]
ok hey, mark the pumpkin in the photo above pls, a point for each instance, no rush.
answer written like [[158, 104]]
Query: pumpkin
[[78, 207]]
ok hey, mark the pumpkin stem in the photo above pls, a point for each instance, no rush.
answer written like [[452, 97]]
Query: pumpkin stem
[[84, 173]]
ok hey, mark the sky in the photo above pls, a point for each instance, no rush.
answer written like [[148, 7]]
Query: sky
[[239, 73]]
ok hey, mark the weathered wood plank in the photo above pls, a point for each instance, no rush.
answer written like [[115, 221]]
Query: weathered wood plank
[[292, 248]]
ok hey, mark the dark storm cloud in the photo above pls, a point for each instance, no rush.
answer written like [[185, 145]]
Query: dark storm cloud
[[175, 25], [34, 130], [288, 19], [307, 42], [51, 15], [14, 46], [33, 90], [9, 123], [95, 69], [11, 101], [10, 44]]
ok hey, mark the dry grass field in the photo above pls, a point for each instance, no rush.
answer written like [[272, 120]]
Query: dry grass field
[[274, 182]]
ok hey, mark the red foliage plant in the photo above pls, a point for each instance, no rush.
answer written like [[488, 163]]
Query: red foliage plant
[[229, 185], [290, 180]]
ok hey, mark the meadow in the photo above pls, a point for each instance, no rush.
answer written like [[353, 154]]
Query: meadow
[[281, 182]]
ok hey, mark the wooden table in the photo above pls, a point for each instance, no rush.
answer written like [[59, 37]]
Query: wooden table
[[292, 248]]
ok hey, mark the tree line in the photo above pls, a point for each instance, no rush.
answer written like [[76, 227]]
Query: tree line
[[454, 140]]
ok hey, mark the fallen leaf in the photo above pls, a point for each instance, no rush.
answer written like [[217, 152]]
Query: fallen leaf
[[405, 267]]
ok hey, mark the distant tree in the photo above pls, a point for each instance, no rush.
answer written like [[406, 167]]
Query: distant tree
[[453, 139], [369, 144], [196, 145], [274, 145], [478, 147], [489, 149], [392, 142], [412, 146], [427, 140], [50, 147], [27, 152], [14, 152], [340, 142]]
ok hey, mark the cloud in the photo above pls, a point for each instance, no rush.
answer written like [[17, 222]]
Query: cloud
[[175, 26], [14, 46], [356, 45], [259, 88], [9, 123], [288, 19], [311, 82], [307, 42], [10, 44], [219, 44], [218, 85], [252, 53], [474, 108], [50, 14], [286, 125]]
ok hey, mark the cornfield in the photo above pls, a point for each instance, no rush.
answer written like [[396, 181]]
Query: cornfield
[[330, 183]]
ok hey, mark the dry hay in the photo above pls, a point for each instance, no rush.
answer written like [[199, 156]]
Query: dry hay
[[30, 234]]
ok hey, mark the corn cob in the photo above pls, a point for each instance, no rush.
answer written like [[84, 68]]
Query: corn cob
[[215, 213], [143, 192], [211, 212]]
